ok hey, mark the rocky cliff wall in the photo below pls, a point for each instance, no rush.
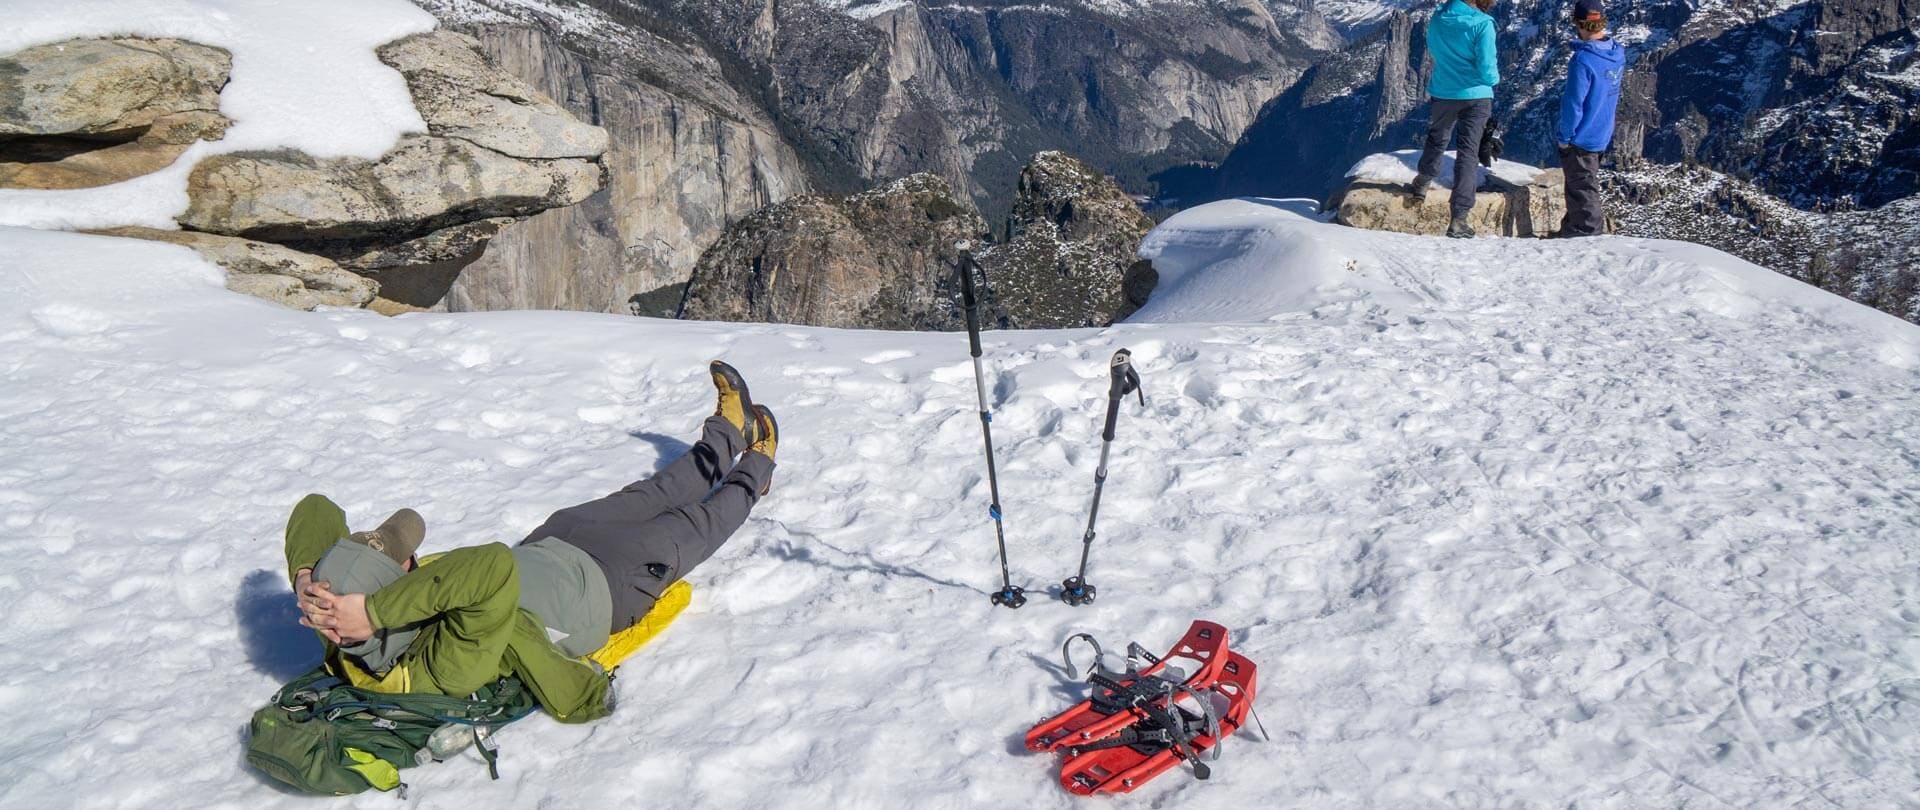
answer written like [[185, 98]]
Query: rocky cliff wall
[[688, 156]]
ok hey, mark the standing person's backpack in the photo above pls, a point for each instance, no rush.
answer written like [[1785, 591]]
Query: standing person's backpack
[[320, 735]]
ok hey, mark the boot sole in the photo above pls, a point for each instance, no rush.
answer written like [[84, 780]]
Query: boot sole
[[772, 427], [751, 430]]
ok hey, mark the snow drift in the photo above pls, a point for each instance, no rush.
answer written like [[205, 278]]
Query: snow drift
[[1605, 522]]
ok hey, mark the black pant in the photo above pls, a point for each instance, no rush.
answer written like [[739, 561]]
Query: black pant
[[1470, 115], [652, 532], [1586, 210]]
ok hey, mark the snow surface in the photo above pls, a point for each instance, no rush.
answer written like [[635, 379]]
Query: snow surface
[[1404, 165], [304, 77], [1603, 522]]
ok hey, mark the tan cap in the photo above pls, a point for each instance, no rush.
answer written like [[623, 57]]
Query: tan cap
[[398, 537]]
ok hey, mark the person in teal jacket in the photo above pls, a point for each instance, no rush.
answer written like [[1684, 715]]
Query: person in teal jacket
[[1466, 67]]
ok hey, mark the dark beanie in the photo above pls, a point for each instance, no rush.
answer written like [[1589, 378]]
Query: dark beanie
[[1584, 10]]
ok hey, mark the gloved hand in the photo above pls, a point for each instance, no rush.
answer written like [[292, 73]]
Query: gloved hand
[[1491, 145]]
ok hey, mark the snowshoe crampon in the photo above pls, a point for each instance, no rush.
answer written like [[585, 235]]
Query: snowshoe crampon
[[1145, 722]]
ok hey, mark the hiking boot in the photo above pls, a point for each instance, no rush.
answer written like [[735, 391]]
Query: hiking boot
[[1417, 190], [769, 436], [769, 432], [734, 405], [1459, 229]]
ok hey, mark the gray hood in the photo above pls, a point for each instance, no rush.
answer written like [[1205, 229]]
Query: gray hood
[[352, 567]]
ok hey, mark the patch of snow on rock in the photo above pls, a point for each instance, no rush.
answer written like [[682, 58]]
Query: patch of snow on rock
[[1402, 166], [305, 77]]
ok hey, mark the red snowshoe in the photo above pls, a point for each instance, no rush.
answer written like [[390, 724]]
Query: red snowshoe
[[1200, 653], [1143, 723], [1157, 744]]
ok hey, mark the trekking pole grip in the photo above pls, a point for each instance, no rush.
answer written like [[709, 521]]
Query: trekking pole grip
[[969, 300], [1124, 381]]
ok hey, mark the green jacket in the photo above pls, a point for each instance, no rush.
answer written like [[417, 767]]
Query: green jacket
[[472, 627]]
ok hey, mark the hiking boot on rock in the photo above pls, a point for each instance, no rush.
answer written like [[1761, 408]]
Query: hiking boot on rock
[[1459, 229], [1417, 190], [734, 405]]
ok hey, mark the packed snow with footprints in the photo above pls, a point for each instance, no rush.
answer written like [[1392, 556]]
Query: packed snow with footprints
[[1603, 523]]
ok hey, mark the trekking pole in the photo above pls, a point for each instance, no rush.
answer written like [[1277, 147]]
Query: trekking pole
[[1008, 595], [1075, 590]]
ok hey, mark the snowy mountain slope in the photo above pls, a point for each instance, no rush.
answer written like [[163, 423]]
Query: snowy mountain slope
[[1612, 522]]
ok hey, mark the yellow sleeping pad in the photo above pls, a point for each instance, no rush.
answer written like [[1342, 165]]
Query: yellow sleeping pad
[[629, 641]]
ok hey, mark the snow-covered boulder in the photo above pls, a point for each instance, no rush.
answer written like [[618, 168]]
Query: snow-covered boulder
[[495, 147], [1070, 256], [462, 95], [264, 270], [424, 184], [90, 112], [83, 114], [1514, 199]]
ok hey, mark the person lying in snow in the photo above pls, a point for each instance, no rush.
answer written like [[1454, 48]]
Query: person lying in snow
[[473, 614]]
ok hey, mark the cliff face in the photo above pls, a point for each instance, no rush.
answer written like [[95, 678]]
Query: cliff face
[[971, 91], [1813, 101], [689, 154], [1306, 138]]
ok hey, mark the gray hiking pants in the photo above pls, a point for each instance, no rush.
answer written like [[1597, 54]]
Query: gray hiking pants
[[1586, 211], [1470, 116], [652, 532]]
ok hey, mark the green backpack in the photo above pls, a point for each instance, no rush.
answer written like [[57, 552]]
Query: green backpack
[[323, 736]]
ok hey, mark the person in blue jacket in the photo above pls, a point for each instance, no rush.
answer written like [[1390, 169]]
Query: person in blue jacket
[[1586, 117], [1465, 69]]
